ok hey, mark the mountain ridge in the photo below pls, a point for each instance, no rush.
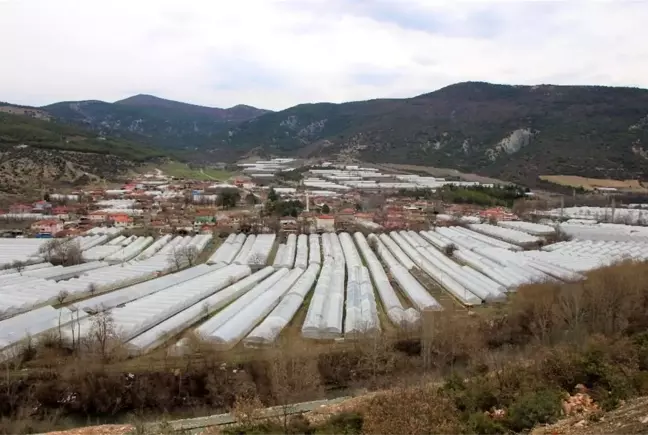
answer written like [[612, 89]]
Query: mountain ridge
[[155, 121], [237, 112], [512, 132]]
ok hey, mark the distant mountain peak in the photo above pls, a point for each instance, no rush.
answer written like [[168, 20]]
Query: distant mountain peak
[[236, 113]]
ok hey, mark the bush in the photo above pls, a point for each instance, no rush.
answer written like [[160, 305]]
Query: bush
[[541, 407], [346, 423], [411, 411], [480, 423], [262, 427]]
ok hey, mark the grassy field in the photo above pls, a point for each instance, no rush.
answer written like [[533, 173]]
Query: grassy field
[[592, 183], [182, 170]]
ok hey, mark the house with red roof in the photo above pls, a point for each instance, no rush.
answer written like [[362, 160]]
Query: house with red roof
[[121, 219], [20, 208], [61, 213], [98, 216]]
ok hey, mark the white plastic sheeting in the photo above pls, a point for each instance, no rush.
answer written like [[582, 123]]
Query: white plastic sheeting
[[23, 293], [87, 242], [285, 255], [23, 250], [120, 240], [475, 282], [58, 273], [130, 251], [25, 269], [437, 240], [142, 314], [327, 249], [601, 214], [326, 309], [314, 252], [605, 232], [128, 294], [361, 311], [260, 250], [235, 307], [467, 239], [268, 330], [508, 235], [227, 252], [301, 258], [486, 240], [529, 228], [291, 251], [413, 290], [242, 256], [111, 231], [16, 328], [155, 247], [97, 253], [448, 281], [388, 297], [32, 324], [314, 325], [279, 256], [232, 324], [233, 331], [184, 319], [199, 242], [585, 255], [396, 251], [498, 264]]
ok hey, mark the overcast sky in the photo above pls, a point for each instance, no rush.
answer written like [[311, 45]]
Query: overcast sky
[[277, 53]]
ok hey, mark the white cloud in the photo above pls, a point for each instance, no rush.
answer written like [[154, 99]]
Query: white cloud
[[277, 53]]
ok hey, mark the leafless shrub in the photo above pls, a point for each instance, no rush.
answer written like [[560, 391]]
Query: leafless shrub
[[411, 411], [183, 256], [19, 266], [61, 252], [102, 334], [294, 377]]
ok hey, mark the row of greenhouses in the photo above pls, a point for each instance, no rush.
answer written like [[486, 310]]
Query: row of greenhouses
[[253, 287]]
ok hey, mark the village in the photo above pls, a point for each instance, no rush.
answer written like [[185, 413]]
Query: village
[[159, 204]]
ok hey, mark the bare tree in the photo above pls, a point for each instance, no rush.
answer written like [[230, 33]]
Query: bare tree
[[18, 265], [92, 288], [75, 328], [102, 332], [48, 249], [61, 252], [60, 298], [183, 256], [294, 378]]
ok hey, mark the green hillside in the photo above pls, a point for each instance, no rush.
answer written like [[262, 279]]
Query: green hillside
[[511, 132], [17, 130]]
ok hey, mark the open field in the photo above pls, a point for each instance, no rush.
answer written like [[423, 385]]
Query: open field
[[182, 170], [592, 183]]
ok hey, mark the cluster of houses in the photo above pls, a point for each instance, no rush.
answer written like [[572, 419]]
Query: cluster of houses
[[162, 205]]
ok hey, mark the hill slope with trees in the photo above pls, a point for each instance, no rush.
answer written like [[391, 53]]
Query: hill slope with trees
[[512, 132]]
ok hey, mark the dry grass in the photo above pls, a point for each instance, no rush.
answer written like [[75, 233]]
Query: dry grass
[[592, 183]]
